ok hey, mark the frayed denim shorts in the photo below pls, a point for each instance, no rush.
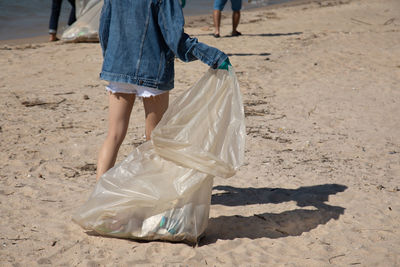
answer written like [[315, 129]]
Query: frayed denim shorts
[[220, 4], [127, 88]]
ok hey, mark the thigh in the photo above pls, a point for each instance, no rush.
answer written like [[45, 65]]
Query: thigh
[[236, 5], [120, 107], [219, 4]]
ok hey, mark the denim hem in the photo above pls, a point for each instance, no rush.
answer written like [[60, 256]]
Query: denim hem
[[122, 78]]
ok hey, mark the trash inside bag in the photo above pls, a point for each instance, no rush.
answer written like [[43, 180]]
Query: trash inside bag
[[162, 190]]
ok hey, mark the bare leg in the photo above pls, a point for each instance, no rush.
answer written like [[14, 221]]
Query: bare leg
[[154, 108], [235, 21], [217, 21], [120, 107]]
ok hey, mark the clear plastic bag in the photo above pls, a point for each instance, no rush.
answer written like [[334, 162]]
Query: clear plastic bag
[[82, 6], [86, 27], [162, 190]]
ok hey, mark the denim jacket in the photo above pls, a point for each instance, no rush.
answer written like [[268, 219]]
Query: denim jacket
[[140, 39]]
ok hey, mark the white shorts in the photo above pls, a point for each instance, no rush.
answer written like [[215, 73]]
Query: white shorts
[[127, 88]]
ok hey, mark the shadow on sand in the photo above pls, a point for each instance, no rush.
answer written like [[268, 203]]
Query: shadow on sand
[[247, 54], [267, 34], [254, 34], [272, 225]]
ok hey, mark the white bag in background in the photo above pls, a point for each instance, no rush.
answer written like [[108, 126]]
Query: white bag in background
[[162, 190], [86, 27], [82, 6]]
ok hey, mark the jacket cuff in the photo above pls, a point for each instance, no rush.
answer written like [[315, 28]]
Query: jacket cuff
[[219, 60]]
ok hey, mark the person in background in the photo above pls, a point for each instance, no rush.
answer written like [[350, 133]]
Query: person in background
[[55, 15], [218, 7], [139, 46]]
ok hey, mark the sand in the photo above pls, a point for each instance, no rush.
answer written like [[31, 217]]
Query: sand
[[321, 182]]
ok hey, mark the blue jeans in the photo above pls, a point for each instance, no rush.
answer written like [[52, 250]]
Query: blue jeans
[[220, 4], [55, 15]]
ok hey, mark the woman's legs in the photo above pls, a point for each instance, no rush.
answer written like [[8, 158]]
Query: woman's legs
[[154, 108], [120, 107]]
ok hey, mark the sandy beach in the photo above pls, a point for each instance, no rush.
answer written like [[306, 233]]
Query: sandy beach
[[321, 181]]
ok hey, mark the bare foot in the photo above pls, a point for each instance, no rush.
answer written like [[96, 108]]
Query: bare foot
[[53, 37]]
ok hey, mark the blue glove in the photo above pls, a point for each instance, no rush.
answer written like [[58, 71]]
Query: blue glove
[[224, 65]]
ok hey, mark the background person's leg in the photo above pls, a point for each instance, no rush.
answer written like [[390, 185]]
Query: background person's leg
[[72, 16], [54, 17], [218, 7], [120, 107], [217, 22], [236, 7], [154, 108], [235, 22]]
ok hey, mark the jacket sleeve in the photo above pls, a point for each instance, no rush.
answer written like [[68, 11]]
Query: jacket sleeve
[[171, 23]]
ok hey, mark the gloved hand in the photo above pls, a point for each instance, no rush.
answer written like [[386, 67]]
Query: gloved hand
[[224, 65]]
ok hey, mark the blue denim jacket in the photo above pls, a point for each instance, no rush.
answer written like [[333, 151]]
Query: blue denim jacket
[[140, 39]]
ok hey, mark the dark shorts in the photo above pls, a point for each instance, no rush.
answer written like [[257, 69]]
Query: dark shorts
[[220, 4]]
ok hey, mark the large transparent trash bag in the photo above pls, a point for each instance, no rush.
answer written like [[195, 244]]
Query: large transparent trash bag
[[162, 190], [86, 27], [204, 128]]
